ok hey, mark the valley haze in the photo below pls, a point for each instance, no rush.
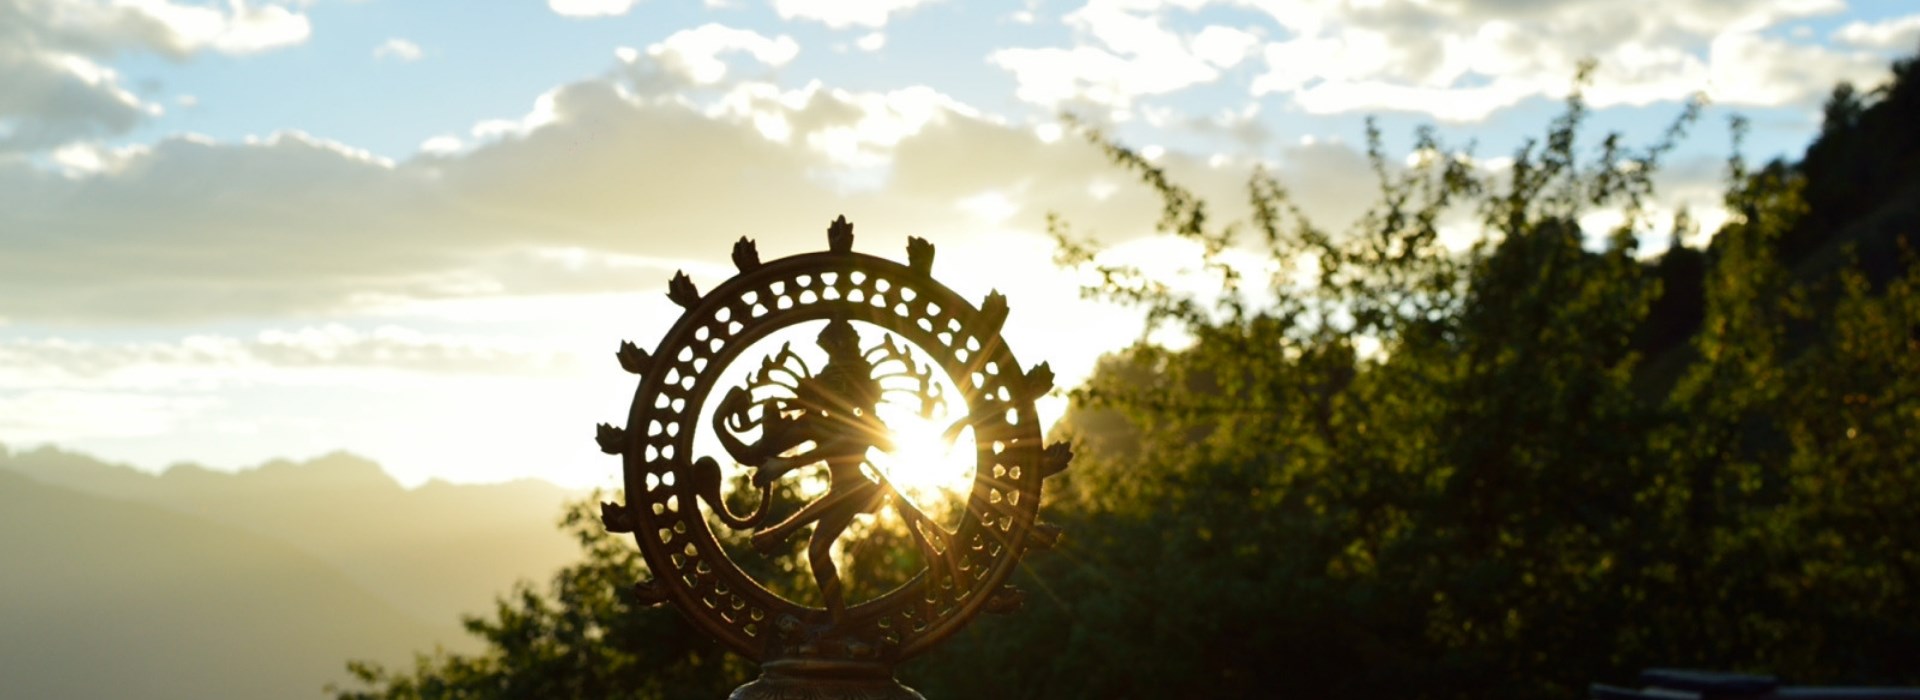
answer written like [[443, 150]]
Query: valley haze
[[194, 583]]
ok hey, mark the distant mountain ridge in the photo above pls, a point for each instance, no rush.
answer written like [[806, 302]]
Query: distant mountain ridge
[[401, 564], [107, 598]]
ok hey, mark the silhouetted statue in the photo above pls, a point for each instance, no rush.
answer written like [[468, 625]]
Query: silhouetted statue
[[835, 412], [786, 417]]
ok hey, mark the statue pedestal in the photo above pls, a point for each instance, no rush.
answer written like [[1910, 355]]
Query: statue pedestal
[[824, 679]]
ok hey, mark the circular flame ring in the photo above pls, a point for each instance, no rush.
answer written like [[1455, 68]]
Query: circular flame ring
[[666, 515]]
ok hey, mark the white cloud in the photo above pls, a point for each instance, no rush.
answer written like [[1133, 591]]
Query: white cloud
[[443, 144], [251, 30], [871, 42], [1446, 104], [1224, 47], [844, 13], [66, 416], [883, 121], [695, 54], [301, 355], [1462, 60], [1124, 51], [590, 8], [47, 100], [89, 159], [597, 165], [1053, 76], [55, 86], [1245, 126], [1458, 60], [1755, 70], [1897, 34], [991, 206], [385, 388], [238, 29], [398, 49]]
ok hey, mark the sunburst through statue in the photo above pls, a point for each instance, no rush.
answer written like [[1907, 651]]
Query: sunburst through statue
[[815, 405]]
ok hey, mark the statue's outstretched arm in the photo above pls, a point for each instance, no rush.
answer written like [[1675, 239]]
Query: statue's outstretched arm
[[706, 485]]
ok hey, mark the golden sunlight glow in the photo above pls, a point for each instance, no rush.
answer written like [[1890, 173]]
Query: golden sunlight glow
[[934, 473], [923, 465]]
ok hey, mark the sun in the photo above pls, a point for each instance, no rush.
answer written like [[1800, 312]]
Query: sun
[[924, 465]]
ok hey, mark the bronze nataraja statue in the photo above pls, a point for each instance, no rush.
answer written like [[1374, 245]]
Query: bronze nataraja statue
[[786, 418], [836, 412]]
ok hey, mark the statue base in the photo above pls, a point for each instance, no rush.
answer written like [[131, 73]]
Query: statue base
[[824, 679]]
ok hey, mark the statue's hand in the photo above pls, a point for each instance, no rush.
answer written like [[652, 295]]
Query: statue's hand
[[733, 409], [776, 417]]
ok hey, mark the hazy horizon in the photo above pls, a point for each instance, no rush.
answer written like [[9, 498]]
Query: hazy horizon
[[179, 467], [201, 584]]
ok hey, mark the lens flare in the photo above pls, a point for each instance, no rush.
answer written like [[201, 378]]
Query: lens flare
[[923, 464]]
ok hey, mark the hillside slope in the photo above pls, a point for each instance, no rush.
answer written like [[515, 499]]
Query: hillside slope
[[107, 598], [434, 552]]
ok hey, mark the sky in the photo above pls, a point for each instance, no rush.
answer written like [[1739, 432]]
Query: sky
[[418, 231]]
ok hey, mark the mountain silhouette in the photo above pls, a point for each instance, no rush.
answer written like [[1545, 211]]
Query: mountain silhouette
[[107, 598], [434, 552], [252, 584]]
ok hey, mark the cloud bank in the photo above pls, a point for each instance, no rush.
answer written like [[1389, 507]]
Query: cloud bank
[[1454, 60], [55, 84]]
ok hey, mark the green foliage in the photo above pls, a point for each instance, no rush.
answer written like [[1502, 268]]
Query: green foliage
[[1400, 466], [1504, 499]]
